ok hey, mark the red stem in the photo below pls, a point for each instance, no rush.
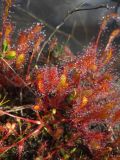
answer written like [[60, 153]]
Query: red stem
[[22, 118]]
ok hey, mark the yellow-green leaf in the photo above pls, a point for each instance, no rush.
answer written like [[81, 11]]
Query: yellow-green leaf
[[10, 55]]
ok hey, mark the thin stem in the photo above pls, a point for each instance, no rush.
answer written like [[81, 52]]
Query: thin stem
[[46, 24], [22, 118], [68, 15]]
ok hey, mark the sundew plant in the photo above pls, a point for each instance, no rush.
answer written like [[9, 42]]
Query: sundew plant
[[57, 108]]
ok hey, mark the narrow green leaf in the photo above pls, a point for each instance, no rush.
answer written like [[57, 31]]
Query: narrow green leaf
[[4, 46]]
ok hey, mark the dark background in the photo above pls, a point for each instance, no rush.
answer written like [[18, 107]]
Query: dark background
[[82, 26]]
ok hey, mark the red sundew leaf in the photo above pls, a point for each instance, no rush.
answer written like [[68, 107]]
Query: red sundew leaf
[[34, 31], [102, 83], [22, 44], [90, 54], [0, 35], [107, 18], [47, 79], [113, 35], [8, 4], [100, 114], [107, 56], [8, 29], [104, 23], [24, 39], [40, 87], [53, 76], [87, 62], [40, 81], [36, 46], [104, 77], [116, 116], [20, 149]]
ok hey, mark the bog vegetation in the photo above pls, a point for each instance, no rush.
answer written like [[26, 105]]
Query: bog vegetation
[[65, 108]]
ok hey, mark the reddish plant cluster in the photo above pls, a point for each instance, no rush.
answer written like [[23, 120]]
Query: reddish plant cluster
[[16, 55], [76, 108]]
